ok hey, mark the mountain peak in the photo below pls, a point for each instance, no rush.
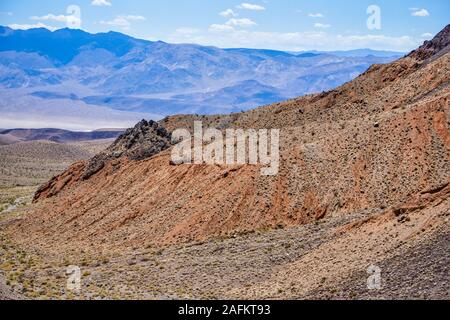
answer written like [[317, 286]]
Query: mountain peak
[[134, 141], [146, 139], [436, 46]]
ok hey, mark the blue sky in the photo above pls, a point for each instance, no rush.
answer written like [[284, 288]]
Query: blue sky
[[281, 24]]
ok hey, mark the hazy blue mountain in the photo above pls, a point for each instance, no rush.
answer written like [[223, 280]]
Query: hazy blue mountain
[[56, 135], [63, 45], [85, 80], [356, 53]]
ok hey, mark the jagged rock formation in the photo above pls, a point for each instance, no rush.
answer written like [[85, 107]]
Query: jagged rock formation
[[375, 143], [438, 45], [145, 140]]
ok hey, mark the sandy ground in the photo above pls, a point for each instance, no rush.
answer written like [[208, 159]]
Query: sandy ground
[[6, 293]]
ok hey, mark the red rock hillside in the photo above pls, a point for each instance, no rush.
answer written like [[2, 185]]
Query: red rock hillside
[[380, 142]]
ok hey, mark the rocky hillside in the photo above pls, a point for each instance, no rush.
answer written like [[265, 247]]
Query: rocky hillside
[[364, 178], [374, 143], [146, 139]]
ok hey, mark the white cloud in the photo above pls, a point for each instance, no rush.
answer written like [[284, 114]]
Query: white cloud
[[321, 25], [427, 35], [402, 43], [231, 23], [51, 17], [220, 28], [416, 12], [101, 3], [16, 26], [71, 20], [123, 21], [315, 15], [228, 13], [226, 36], [134, 18], [243, 22], [251, 6], [6, 13]]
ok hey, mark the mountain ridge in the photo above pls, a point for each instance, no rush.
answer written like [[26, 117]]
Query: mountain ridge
[[333, 130], [363, 184], [126, 79], [56, 135]]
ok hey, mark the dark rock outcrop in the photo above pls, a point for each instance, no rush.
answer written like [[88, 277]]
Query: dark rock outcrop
[[143, 141]]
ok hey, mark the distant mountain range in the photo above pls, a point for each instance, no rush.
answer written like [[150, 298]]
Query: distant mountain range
[[353, 53], [76, 80], [11, 136], [364, 178]]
